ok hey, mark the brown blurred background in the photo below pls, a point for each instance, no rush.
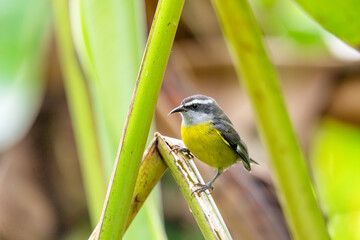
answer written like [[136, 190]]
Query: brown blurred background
[[41, 193]]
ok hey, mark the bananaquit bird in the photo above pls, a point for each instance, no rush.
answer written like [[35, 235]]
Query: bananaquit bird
[[209, 134]]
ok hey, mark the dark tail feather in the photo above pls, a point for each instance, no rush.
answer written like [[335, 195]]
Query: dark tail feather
[[253, 161], [247, 163]]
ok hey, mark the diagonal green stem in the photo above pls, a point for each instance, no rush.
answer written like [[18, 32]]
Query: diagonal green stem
[[260, 81], [120, 192], [186, 176], [151, 170]]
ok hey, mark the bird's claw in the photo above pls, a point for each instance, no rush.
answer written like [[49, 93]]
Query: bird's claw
[[202, 188], [184, 150]]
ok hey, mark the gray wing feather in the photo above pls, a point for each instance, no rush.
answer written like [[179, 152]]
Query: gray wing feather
[[225, 127]]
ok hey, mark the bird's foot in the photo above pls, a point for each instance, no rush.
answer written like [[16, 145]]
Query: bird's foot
[[202, 188], [184, 150]]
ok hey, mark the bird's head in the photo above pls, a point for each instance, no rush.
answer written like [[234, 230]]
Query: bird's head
[[197, 109]]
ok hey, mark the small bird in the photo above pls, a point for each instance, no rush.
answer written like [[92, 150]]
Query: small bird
[[209, 134]]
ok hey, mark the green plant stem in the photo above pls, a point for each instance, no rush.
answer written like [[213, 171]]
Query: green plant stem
[[81, 114], [120, 191], [151, 170], [260, 81], [186, 175]]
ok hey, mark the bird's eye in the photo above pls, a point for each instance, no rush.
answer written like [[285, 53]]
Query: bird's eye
[[195, 106]]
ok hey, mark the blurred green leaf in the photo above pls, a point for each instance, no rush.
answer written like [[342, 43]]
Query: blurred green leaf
[[24, 32], [284, 18], [339, 17], [82, 118], [336, 165], [110, 38]]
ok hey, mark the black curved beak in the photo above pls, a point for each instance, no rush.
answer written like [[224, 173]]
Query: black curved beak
[[178, 109]]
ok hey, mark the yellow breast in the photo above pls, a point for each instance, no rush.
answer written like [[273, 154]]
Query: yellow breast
[[207, 144]]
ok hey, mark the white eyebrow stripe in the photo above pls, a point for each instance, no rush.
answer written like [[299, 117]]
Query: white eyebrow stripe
[[199, 101]]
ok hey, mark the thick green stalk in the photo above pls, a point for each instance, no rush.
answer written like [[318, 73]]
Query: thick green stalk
[[81, 113], [151, 170], [162, 34], [260, 81], [186, 176], [110, 39]]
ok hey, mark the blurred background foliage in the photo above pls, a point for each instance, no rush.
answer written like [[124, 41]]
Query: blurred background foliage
[[42, 192], [25, 31], [336, 180]]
